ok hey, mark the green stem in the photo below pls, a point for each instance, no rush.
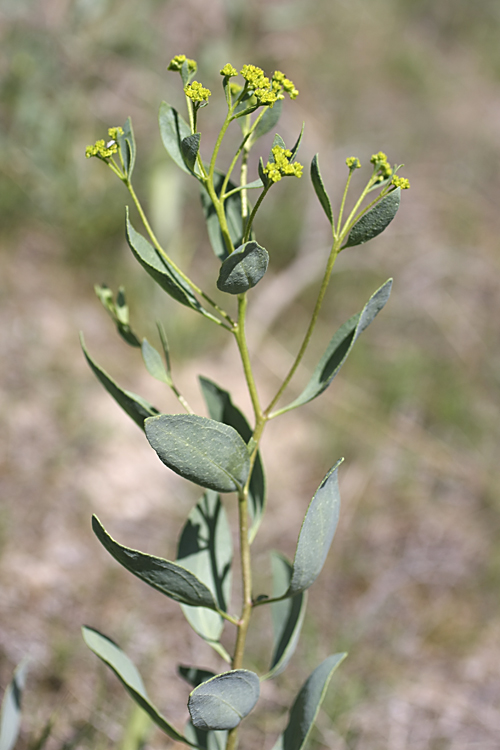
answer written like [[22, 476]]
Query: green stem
[[240, 335], [249, 223], [238, 152]]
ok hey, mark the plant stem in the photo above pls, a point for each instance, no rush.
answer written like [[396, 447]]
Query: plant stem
[[240, 335], [249, 223]]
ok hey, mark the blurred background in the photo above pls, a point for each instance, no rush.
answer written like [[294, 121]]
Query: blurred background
[[411, 585]]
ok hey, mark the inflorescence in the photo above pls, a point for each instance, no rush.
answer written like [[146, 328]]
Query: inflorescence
[[104, 150], [282, 167]]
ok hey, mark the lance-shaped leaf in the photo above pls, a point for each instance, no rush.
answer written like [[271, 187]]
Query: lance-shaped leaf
[[190, 147], [375, 220], [206, 740], [173, 130], [154, 363], [169, 578], [316, 533], [205, 548], [221, 408], [10, 714], [287, 616], [320, 190], [135, 406], [340, 347], [208, 453], [126, 142], [243, 269], [223, 701], [307, 704], [161, 270], [127, 673], [232, 209]]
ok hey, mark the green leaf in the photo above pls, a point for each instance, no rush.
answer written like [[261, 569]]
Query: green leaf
[[194, 676], [127, 673], [297, 143], [316, 534], [206, 549], [232, 208], [173, 130], [126, 143], [202, 450], [223, 701], [319, 187], [135, 406], [190, 147], [268, 120], [287, 616], [206, 740], [277, 141], [169, 578], [118, 312], [243, 269], [307, 704], [221, 408], [154, 363], [375, 220], [10, 715], [340, 347]]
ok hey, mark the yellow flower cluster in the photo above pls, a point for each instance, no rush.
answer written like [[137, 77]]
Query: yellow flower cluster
[[353, 162], [178, 61], [281, 166], [115, 132], [382, 165], [401, 182], [265, 91], [286, 83], [229, 71], [196, 92]]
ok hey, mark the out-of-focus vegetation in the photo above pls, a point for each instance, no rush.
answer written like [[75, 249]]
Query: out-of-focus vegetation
[[411, 585]]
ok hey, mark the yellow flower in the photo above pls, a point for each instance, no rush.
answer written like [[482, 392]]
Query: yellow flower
[[281, 167], [353, 162], [380, 162], [229, 71], [101, 150], [400, 182], [178, 61], [197, 93]]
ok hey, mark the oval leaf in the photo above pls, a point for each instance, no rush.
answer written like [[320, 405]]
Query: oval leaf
[[221, 408], [223, 701], [136, 407], [375, 220], [10, 715], [243, 269], [127, 673], [170, 579], [316, 534], [340, 347], [307, 704], [320, 190], [206, 549], [173, 129], [202, 450]]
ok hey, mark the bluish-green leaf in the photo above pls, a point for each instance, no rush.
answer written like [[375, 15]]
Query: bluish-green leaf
[[208, 453], [154, 363], [127, 673], [173, 130], [296, 145], [340, 347], [268, 120], [206, 740], [287, 616], [169, 578], [375, 220], [136, 407], [126, 142], [316, 534], [307, 704], [206, 549], [232, 208], [221, 408], [190, 147], [10, 714], [223, 701], [320, 190], [243, 269]]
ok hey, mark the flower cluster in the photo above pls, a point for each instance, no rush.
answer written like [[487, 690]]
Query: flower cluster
[[353, 162], [400, 182], [197, 93], [178, 61], [281, 167], [265, 91], [381, 165], [104, 150], [229, 71]]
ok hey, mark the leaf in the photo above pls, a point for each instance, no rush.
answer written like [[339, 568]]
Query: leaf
[[10, 714], [161, 270], [320, 190], [340, 347], [297, 143], [127, 673], [194, 676], [154, 363], [126, 143], [268, 120], [170, 579], [375, 220], [118, 312], [190, 147], [221, 408], [206, 549], [206, 740], [232, 208], [287, 616], [316, 534], [277, 141], [173, 130], [223, 701], [135, 406], [243, 269], [307, 704], [202, 450]]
